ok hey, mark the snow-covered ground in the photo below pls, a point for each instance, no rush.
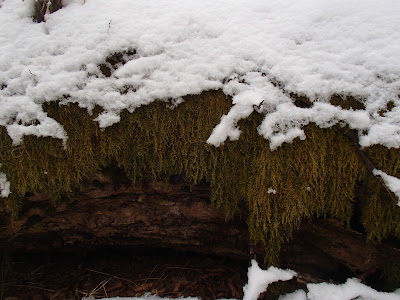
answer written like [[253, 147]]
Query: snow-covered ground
[[258, 281]]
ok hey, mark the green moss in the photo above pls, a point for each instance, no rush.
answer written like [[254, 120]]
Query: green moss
[[347, 102], [314, 177], [380, 214], [155, 141], [390, 275]]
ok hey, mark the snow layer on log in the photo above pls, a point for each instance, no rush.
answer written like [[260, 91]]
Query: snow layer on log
[[393, 183], [257, 52]]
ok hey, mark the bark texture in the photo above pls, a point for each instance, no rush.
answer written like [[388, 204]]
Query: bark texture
[[157, 214], [179, 216]]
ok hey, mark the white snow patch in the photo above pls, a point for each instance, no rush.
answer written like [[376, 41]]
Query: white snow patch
[[271, 191], [393, 183], [258, 279], [107, 119], [258, 52], [4, 185], [285, 123], [351, 289], [297, 295]]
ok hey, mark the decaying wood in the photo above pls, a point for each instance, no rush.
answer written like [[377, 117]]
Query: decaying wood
[[324, 248], [180, 216], [159, 215]]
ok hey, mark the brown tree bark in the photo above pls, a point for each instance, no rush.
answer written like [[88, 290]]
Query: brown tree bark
[[180, 216], [106, 214]]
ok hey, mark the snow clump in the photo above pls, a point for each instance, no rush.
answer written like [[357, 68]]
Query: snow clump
[[393, 183], [4, 185], [258, 279]]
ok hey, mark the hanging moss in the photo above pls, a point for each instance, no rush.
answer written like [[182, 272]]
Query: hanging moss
[[314, 177], [43, 165], [305, 178], [380, 214]]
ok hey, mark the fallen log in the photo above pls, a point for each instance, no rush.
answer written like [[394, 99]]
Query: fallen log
[[104, 214], [180, 216]]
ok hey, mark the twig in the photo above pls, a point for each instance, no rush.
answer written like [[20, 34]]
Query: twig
[[150, 274], [100, 285], [103, 286], [161, 278], [81, 292], [22, 148], [120, 278], [307, 278], [109, 26]]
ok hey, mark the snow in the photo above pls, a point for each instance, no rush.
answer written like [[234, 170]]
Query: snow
[[258, 52], [297, 295], [258, 281], [393, 183], [351, 289], [312, 48], [4, 185]]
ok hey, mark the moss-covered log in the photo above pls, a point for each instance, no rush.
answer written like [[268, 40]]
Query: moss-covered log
[[273, 191]]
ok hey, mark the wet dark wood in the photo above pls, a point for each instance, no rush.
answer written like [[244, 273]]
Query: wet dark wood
[[179, 216], [155, 215]]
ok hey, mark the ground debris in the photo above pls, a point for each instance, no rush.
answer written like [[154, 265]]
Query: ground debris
[[107, 273]]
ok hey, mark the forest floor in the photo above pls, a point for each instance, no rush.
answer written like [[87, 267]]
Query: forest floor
[[110, 273]]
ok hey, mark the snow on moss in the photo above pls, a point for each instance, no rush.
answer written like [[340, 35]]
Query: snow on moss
[[393, 183], [4, 185], [258, 52]]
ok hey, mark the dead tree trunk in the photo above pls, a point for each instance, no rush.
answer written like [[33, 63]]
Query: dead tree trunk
[[180, 216]]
